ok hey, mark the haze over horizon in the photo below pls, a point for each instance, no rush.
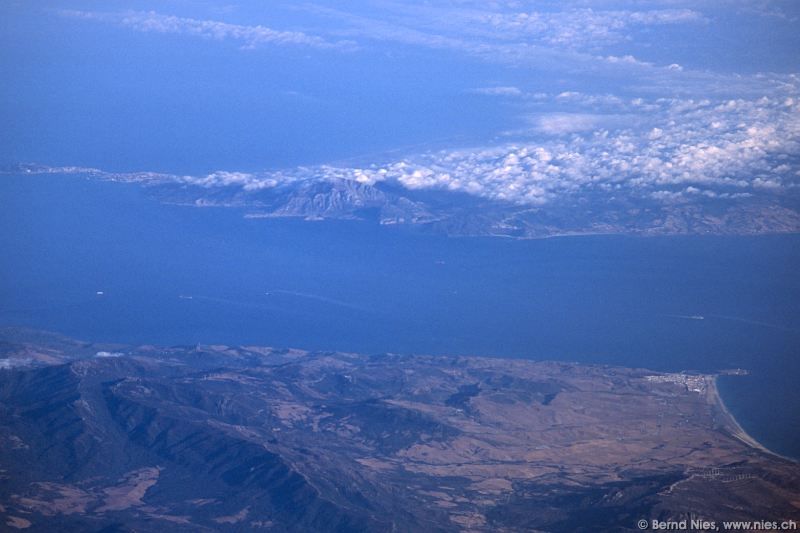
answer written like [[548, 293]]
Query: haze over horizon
[[521, 102]]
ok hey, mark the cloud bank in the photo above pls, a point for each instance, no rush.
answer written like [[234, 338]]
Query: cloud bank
[[666, 132], [679, 150]]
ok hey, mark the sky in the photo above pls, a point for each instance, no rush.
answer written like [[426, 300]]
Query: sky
[[519, 101]]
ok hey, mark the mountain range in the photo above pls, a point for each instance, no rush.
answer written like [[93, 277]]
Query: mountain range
[[99, 437]]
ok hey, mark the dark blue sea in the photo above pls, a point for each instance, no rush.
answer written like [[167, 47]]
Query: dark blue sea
[[106, 261]]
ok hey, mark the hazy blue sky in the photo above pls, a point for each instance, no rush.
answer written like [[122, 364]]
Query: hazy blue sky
[[504, 99]]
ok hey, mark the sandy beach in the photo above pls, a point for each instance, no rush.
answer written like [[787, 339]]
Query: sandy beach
[[729, 423]]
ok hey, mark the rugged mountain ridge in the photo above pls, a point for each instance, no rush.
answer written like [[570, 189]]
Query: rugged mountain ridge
[[208, 438], [459, 214], [591, 210]]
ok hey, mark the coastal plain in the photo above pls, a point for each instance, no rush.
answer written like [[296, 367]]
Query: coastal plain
[[213, 437]]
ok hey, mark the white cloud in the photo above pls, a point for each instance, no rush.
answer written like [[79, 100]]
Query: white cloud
[[249, 36], [681, 154], [669, 150], [499, 91], [583, 28], [558, 26], [560, 123], [574, 40], [109, 354], [221, 178]]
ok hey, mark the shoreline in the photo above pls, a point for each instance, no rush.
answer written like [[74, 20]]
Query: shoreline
[[729, 423]]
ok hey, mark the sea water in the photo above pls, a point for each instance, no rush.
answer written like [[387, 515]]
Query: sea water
[[107, 261]]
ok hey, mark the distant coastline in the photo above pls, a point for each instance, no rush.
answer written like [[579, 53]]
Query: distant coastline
[[729, 423]]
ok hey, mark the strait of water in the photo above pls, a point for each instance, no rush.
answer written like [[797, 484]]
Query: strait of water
[[183, 275]]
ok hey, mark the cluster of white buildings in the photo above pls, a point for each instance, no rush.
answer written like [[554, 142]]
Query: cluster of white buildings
[[692, 382]]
